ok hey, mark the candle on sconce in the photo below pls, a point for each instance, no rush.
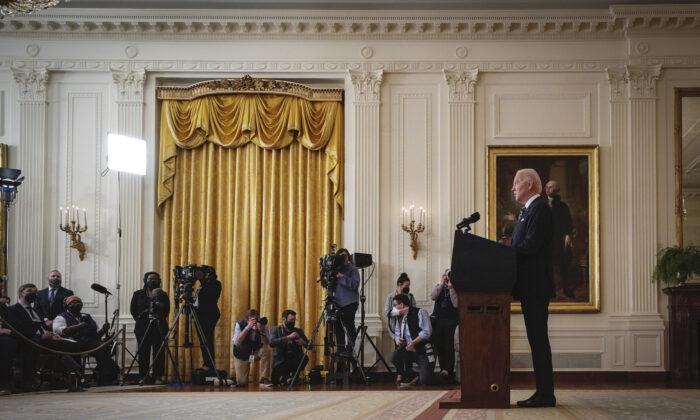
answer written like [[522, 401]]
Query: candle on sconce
[[60, 215], [85, 216], [421, 212], [403, 216], [412, 219]]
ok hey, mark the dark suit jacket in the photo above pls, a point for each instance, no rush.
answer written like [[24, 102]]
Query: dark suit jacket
[[20, 320], [42, 307], [532, 240], [208, 297]]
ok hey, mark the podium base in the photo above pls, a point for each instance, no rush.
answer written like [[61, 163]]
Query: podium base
[[451, 403]]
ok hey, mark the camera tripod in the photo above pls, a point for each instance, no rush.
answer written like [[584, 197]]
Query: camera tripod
[[153, 322], [190, 316], [362, 332], [329, 316]]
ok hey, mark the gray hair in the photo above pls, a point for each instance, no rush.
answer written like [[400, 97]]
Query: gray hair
[[529, 174]]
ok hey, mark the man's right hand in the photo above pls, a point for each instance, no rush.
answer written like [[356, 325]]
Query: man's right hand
[[399, 341], [293, 336], [49, 323], [251, 324], [49, 335]]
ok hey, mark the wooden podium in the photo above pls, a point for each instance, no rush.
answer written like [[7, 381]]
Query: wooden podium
[[483, 274]]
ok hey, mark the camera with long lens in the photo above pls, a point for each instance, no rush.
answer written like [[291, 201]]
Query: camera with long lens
[[159, 306], [331, 264], [187, 276]]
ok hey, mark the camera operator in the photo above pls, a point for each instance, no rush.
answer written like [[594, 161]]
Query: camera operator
[[143, 307], [445, 319], [250, 344], [347, 300], [206, 299], [82, 328], [411, 336], [403, 285], [288, 342]]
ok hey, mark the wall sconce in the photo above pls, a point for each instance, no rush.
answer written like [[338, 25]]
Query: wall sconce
[[408, 225], [69, 222]]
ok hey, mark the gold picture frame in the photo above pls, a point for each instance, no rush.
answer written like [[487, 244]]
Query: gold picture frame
[[576, 261]]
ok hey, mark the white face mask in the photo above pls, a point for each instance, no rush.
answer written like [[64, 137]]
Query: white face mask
[[395, 312]]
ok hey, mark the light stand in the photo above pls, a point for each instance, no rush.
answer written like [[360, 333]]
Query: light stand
[[124, 154], [10, 180]]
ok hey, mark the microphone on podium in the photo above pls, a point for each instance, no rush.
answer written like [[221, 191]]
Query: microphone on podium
[[468, 221], [100, 289]]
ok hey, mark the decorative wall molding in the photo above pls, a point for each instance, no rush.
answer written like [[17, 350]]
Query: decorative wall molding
[[319, 66], [31, 84], [276, 24], [366, 85], [642, 81], [461, 84], [129, 85]]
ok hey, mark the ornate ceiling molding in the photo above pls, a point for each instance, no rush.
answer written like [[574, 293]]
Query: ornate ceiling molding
[[270, 24], [247, 84]]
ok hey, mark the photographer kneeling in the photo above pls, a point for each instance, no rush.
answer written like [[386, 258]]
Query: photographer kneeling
[[250, 344], [147, 304], [205, 303], [83, 329], [288, 343], [411, 336]]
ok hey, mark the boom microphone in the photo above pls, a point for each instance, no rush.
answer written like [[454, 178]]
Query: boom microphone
[[469, 220], [100, 289]]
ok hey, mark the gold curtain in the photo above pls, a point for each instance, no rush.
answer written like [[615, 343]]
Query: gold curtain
[[251, 185]]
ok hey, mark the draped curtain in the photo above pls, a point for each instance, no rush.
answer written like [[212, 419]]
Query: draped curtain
[[251, 184]]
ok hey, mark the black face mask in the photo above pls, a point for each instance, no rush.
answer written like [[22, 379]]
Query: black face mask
[[405, 290], [290, 324], [153, 284], [75, 308], [30, 297], [54, 282]]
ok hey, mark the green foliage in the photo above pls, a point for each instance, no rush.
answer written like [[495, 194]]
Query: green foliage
[[675, 264]]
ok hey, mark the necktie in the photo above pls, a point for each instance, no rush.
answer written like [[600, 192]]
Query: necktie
[[51, 297], [403, 326], [33, 314], [522, 214]]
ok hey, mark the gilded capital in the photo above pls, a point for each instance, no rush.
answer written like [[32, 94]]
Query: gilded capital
[[32, 84], [461, 84], [129, 85], [366, 84]]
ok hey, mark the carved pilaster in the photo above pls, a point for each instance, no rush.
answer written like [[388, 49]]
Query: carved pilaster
[[129, 105], [461, 85], [129, 85], [461, 103], [366, 85], [642, 81], [366, 177], [619, 246], [641, 181], [31, 84], [27, 216]]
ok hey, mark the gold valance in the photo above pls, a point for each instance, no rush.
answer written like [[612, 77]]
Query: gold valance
[[270, 121], [247, 84]]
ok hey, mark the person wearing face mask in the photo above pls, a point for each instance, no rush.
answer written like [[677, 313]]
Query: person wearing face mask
[[411, 336], [140, 310], [288, 342], [74, 324], [24, 318], [49, 302], [347, 299], [444, 318], [403, 286]]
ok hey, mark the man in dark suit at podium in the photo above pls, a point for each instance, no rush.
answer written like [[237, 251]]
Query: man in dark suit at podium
[[532, 240]]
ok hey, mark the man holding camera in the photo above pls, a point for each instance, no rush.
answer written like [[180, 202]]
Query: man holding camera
[[206, 307], [144, 307], [445, 319], [411, 335], [82, 328], [250, 344], [288, 342], [347, 299]]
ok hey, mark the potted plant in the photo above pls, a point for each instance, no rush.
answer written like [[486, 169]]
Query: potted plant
[[675, 264]]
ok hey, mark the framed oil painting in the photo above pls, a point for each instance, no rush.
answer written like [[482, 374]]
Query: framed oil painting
[[569, 177]]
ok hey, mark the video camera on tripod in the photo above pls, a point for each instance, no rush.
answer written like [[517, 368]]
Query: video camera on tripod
[[186, 277], [159, 306], [331, 264]]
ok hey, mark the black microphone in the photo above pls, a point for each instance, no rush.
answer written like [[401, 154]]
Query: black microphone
[[469, 220], [100, 289]]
